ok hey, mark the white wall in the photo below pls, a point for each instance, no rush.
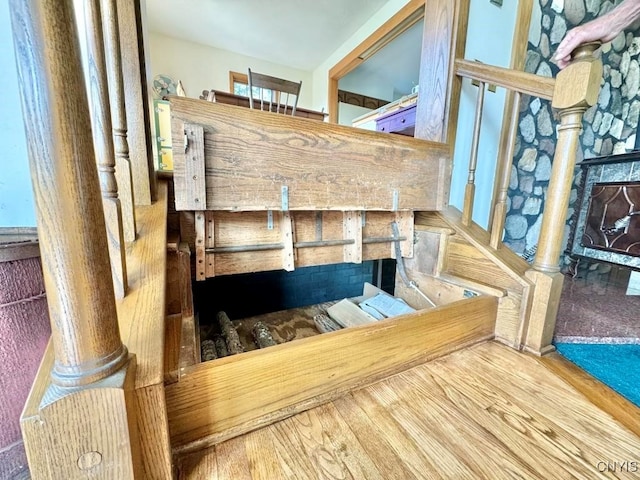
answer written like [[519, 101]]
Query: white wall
[[201, 67], [16, 196], [495, 27], [347, 112], [321, 74]]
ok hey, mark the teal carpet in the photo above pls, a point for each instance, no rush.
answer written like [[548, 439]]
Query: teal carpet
[[617, 366]]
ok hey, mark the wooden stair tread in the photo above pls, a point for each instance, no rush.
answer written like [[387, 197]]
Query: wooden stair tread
[[473, 285], [489, 408]]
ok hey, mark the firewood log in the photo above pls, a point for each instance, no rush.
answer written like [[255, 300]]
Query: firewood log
[[325, 324], [221, 346], [230, 334], [262, 335], [208, 350]]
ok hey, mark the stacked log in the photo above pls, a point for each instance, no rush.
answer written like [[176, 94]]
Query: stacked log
[[230, 335], [262, 335], [221, 346], [325, 324], [208, 350]]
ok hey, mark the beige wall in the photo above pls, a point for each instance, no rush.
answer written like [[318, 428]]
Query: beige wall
[[201, 67]]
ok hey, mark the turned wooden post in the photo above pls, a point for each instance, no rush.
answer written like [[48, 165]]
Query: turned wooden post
[[470, 189], [71, 226], [577, 88], [103, 143], [504, 175], [85, 430], [119, 117]]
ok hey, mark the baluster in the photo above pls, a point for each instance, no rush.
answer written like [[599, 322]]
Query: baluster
[[500, 208], [119, 117], [577, 88], [73, 428], [470, 190], [103, 143]]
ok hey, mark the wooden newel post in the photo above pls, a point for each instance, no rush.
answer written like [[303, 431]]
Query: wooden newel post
[[71, 228], [73, 429], [577, 88]]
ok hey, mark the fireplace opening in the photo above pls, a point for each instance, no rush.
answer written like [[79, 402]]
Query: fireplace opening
[[613, 218], [605, 226]]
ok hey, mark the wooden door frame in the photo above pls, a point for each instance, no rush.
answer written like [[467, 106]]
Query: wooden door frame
[[378, 39]]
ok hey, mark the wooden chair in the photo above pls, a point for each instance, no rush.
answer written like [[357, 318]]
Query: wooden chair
[[278, 92]]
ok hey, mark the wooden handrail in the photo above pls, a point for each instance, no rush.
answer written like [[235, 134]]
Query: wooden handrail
[[527, 83]]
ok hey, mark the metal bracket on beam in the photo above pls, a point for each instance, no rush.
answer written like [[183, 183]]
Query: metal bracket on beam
[[285, 198], [396, 201]]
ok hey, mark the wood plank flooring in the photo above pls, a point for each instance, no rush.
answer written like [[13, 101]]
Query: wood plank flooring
[[485, 412]]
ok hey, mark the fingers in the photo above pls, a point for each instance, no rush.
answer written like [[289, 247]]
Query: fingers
[[563, 62], [563, 53]]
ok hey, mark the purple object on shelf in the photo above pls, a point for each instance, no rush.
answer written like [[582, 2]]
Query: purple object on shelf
[[402, 121]]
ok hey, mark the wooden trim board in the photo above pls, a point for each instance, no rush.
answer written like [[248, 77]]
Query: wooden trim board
[[375, 40], [596, 392], [238, 393], [256, 161]]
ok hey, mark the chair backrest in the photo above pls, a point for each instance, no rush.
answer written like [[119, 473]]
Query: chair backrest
[[274, 94]]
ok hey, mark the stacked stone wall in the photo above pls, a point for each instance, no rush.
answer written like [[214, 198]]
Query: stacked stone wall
[[608, 127]]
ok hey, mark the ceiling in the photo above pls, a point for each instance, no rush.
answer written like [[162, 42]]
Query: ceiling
[[297, 33]]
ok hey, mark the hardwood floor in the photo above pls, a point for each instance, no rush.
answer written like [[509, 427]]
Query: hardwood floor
[[485, 412]]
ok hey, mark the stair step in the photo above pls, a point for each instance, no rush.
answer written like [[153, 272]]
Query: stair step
[[473, 285]]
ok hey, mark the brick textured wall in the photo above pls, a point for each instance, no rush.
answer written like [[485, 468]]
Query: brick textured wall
[[608, 127], [24, 333], [242, 296]]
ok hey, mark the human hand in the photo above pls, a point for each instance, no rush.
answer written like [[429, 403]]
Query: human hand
[[602, 29], [596, 30]]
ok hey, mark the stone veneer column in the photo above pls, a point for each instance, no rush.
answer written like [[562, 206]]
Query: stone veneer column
[[608, 127]]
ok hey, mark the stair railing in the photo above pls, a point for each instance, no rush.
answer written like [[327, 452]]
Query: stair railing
[[98, 91], [574, 90], [519, 83], [124, 177]]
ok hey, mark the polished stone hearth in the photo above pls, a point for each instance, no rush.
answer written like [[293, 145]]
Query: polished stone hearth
[[595, 306]]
